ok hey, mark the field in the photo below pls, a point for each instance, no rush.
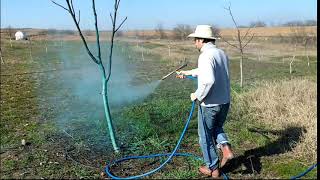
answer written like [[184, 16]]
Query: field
[[52, 121]]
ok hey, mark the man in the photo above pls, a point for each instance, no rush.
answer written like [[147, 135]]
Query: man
[[213, 94]]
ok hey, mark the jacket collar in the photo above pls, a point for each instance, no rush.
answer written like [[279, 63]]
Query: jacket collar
[[206, 46]]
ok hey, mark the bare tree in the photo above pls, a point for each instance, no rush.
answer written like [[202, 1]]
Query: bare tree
[[160, 31], [305, 44], [181, 31], [2, 61], [299, 36], [259, 53], [215, 30], [43, 35], [10, 34], [293, 57], [30, 47], [142, 49], [97, 59], [241, 44], [305, 39], [310, 22], [258, 24], [169, 48]]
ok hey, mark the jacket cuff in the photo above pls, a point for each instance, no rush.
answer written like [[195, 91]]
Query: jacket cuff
[[198, 96]]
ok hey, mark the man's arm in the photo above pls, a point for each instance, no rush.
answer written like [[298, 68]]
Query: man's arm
[[205, 78], [192, 72]]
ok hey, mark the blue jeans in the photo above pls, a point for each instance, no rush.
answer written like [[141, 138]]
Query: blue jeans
[[210, 123]]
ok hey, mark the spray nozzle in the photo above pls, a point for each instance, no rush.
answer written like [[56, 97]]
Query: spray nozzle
[[182, 66]]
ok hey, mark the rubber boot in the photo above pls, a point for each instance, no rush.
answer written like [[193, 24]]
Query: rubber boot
[[227, 154]]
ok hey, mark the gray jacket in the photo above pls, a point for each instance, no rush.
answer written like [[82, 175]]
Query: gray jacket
[[213, 76]]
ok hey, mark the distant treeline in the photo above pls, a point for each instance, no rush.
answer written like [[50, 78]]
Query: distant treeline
[[62, 32], [286, 24], [179, 32]]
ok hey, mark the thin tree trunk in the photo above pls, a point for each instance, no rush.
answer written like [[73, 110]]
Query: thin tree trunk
[[137, 41], [107, 108], [291, 62], [260, 56], [293, 57], [307, 56], [241, 72], [2, 61], [10, 42], [142, 56], [45, 43], [30, 50]]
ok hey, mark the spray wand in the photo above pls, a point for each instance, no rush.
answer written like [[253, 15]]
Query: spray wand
[[182, 66]]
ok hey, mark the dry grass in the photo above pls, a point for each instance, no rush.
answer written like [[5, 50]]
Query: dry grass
[[267, 31], [288, 103]]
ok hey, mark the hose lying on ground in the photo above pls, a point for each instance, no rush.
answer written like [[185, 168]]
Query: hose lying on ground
[[108, 166]]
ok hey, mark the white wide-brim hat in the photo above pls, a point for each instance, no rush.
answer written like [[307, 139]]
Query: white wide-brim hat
[[203, 31]]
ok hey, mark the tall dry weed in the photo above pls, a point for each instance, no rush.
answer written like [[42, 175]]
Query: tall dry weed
[[285, 104]]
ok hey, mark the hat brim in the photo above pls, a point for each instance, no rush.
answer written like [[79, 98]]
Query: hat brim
[[193, 35]]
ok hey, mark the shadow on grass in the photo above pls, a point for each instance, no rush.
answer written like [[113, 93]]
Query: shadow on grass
[[250, 160]]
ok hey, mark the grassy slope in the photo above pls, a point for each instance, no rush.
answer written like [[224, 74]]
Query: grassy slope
[[155, 124], [22, 118]]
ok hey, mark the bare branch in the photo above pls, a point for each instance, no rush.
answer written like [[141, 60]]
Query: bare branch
[[114, 30], [246, 33], [232, 45], [229, 42], [228, 6], [79, 17], [248, 41], [111, 18], [117, 4], [72, 7], [234, 21], [121, 24], [97, 31], [60, 6], [81, 35]]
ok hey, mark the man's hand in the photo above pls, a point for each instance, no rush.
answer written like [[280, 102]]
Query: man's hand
[[180, 75], [193, 97], [186, 73]]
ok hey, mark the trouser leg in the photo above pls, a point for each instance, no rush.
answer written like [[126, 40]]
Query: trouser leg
[[206, 134], [220, 136]]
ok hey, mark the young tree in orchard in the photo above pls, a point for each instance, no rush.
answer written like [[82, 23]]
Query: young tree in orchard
[[2, 61], [106, 74], [241, 44], [160, 31], [181, 31], [300, 36], [10, 34]]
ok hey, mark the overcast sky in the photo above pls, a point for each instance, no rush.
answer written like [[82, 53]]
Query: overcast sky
[[147, 14]]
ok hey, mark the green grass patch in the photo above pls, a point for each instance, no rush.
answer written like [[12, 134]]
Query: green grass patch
[[289, 168]]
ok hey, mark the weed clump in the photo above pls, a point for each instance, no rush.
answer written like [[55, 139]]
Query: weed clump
[[285, 104]]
